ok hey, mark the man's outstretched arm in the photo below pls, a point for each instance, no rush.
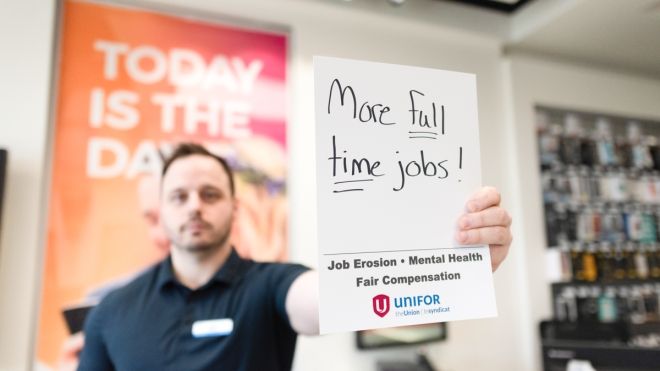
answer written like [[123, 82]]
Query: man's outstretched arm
[[302, 303]]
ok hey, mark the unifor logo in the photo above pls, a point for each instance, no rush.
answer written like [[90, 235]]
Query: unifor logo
[[381, 304]]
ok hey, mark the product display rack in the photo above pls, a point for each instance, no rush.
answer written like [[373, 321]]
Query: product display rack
[[600, 178]]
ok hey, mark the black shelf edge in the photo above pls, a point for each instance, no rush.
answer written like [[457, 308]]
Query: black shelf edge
[[618, 283]]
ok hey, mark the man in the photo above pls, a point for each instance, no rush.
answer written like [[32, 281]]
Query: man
[[205, 308]]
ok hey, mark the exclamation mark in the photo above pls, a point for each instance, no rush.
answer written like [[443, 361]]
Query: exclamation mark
[[443, 118], [460, 158]]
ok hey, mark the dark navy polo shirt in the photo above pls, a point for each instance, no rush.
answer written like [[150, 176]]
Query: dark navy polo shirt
[[147, 325]]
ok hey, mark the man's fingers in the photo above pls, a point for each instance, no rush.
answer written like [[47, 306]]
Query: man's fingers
[[74, 343], [493, 216], [483, 199], [486, 223], [485, 236]]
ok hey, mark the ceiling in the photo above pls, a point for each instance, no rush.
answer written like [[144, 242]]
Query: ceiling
[[619, 34], [614, 34]]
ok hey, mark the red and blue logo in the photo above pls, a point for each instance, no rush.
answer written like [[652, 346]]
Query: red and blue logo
[[381, 304]]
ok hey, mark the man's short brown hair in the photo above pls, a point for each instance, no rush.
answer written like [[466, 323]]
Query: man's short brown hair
[[186, 149]]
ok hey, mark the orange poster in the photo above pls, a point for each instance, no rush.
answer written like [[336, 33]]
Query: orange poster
[[132, 83]]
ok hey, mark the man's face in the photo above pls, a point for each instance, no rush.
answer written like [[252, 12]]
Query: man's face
[[197, 207]]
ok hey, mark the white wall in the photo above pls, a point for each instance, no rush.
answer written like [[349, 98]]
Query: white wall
[[533, 81], [26, 32]]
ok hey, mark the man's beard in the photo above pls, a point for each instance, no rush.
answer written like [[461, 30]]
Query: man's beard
[[208, 248]]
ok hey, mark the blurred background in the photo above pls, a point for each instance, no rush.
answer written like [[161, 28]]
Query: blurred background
[[569, 115]]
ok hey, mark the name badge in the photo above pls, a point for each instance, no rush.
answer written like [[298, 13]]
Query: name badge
[[212, 327]]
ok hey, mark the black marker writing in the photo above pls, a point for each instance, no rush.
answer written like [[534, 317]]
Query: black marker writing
[[460, 157], [351, 173], [356, 165], [414, 168], [368, 112], [419, 117]]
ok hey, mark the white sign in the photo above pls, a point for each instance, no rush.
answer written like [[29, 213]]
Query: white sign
[[397, 158]]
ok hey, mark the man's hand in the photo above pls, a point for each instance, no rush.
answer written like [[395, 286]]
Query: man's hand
[[486, 223], [69, 353]]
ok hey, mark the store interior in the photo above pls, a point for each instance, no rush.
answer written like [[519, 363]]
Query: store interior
[[579, 282]]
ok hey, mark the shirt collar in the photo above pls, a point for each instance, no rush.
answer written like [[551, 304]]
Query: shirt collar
[[230, 272]]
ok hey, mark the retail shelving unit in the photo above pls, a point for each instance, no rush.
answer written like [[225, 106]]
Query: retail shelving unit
[[600, 176]]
